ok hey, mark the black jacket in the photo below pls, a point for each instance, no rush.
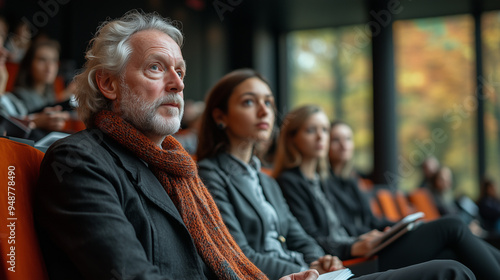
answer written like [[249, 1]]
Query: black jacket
[[310, 212], [102, 214], [352, 206]]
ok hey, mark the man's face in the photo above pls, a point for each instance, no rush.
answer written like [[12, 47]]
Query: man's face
[[150, 95]]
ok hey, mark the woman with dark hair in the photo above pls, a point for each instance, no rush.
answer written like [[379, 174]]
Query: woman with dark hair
[[37, 73], [239, 114], [302, 174], [213, 137]]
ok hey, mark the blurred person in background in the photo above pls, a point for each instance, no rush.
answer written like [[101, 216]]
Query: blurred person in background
[[34, 84], [19, 41], [37, 125], [356, 210], [429, 167], [489, 205], [441, 189], [4, 75]]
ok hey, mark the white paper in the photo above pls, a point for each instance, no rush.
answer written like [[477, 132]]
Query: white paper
[[342, 274]]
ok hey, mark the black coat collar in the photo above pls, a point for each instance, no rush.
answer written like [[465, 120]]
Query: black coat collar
[[141, 176]]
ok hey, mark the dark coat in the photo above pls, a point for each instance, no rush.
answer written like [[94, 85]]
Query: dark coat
[[352, 206], [309, 211], [244, 217], [102, 214]]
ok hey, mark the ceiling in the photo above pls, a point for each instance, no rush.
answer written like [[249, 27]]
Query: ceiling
[[288, 15]]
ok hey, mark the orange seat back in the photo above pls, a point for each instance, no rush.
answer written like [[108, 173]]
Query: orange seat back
[[365, 185], [73, 125], [266, 170], [59, 87], [12, 69], [423, 202], [403, 204], [21, 256], [388, 205], [375, 207], [362, 266]]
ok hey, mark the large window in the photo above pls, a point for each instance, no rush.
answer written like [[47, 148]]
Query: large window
[[491, 91], [436, 102], [332, 68]]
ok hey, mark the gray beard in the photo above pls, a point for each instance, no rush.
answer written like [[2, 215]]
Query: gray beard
[[144, 115]]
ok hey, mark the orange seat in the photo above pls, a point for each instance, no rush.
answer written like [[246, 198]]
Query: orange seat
[[362, 266], [12, 69], [365, 185], [21, 256], [388, 205], [268, 171], [59, 87], [375, 207], [73, 125], [423, 201], [403, 204]]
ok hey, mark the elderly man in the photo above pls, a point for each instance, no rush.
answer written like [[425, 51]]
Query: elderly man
[[122, 199]]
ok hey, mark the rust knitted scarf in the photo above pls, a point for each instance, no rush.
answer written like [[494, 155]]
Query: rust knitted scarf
[[178, 174]]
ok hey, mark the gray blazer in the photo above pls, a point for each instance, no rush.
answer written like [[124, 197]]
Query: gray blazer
[[245, 219], [34, 101], [102, 214]]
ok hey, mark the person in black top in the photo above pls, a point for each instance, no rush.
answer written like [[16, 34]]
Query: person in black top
[[302, 171]]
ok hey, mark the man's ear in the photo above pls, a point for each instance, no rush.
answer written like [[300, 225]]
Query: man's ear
[[219, 116], [107, 83]]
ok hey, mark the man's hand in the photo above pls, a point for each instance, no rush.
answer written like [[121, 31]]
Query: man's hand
[[327, 263], [310, 274]]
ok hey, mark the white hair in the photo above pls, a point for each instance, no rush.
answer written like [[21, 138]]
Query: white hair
[[109, 51]]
